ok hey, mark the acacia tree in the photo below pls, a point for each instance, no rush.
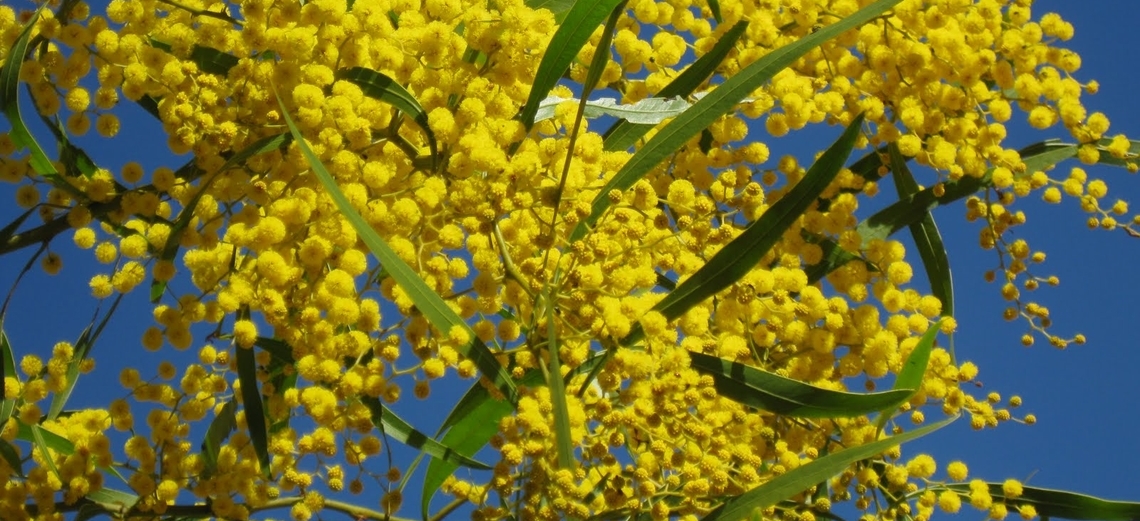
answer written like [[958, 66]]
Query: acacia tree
[[655, 318]]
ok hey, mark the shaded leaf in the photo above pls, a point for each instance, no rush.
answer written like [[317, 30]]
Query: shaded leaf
[[1063, 504], [378, 86], [714, 6], [623, 134], [8, 364], [806, 476], [8, 452], [720, 101], [926, 237], [225, 422], [580, 22], [10, 105], [771, 392], [254, 408], [82, 351], [439, 315], [170, 249], [738, 257], [394, 426]]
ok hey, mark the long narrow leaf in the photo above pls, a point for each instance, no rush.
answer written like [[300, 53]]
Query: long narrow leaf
[[8, 452], [442, 317], [265, 144], [926, 237], [766, 391], [720, 101], [559, 7], [224, 423], [623, 134], [913, 370], [884, 223], [82, 351], [806, 476], [558, 390], [254, 408], [738, 257], [570, 37], [8, 365], [394, 426], [1062, 504], [381, 87], [474, 421], [10, 104]]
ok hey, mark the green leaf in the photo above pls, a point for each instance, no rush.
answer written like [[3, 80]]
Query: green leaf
[[212, 60], [736, 258], [623, 134], [277, 349], [557, 387], [560, 8], [718, 102], [766, 391], [8, 452], [442, 317], [926, 237], [714, 6], [8, 364], [82, 351], [474, 421], [912, 372], [10, 104], [39, 437], [254, 409], [1058, 503], [112, 500], [806, 476], [649, 111], [394, 426], [378, 86], [224, 423], [567, 41], [265, 144]]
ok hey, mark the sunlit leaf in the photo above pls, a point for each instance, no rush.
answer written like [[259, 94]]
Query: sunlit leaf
[[623, 134], [649, 111], [720, 101], [912, 372], [580, 22], [806, 476]]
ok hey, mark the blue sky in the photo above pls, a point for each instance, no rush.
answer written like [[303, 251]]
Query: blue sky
[[1082, 396]]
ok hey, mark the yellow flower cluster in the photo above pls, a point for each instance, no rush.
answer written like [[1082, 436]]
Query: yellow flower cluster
[[482, 210]]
